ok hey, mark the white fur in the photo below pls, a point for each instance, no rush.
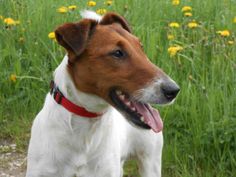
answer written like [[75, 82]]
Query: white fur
[[90, 15], [63, 144], [153, 93]]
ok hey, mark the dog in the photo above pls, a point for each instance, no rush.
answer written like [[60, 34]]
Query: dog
[[98, 111]]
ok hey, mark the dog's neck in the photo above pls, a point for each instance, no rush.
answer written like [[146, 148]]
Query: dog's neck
[[90, 102]]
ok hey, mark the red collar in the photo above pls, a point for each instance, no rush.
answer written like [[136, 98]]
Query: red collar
[[67, 104]]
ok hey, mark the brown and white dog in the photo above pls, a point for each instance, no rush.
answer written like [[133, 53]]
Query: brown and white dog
[[107, 74]]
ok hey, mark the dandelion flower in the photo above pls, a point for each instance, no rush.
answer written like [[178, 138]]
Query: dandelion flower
[[101, 11], [175, 2], [91, 3], [234, 20], [224, 33], [192, 24], [10, 21], [52, 35], [1, 17], [188, 14], [174, 25], [170, 36], [186, 9], [62, 10], [13, 78], [173, 50], [230, 42], [108, 3], [72, 7]]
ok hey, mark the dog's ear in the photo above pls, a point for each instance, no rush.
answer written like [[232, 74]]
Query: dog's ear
[[74, 36], [111, 18]]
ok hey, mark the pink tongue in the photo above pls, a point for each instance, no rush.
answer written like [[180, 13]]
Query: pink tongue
[[151, 116]]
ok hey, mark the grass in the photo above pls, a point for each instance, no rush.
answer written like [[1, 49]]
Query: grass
[[200, 138]]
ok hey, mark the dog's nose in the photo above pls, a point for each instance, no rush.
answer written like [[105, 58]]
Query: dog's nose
[[170, 90]]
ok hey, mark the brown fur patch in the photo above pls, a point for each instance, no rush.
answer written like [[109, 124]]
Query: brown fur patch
[[111, 18], [95, 70], [74, 36]]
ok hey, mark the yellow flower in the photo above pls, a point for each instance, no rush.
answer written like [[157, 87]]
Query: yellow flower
[[52, 35], [174, 25], [186, 9], [62, 10], [101, 11], [175, 2], [13, 78], [108, 3], [224, 33], [230, 42], [72, 7], [170, 36], [192, 24], [234, 20], [10, 21], [91, 3], [174, 49], [1, 17], [188, 14]]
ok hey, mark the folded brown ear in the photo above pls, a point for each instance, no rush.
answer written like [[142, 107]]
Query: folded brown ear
[[111, 17], [74, 36]]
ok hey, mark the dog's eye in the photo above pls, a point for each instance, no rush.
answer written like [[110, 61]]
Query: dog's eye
[[117, 54]]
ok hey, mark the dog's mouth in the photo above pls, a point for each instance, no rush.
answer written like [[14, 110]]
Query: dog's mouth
[[139, 113]]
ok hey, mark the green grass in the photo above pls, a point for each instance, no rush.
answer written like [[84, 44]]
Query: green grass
[[200, 128]]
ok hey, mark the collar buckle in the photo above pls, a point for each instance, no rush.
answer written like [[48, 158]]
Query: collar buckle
[[56, 93]]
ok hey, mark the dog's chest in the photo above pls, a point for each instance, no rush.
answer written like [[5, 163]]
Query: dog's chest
[[91, 152], [99, 166]]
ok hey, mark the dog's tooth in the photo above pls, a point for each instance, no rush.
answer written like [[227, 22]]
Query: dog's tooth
[[118, 92], [122, 97], [142, 119], [128, 103]]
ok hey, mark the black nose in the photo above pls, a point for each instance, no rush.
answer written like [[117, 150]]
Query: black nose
[[170, 90]]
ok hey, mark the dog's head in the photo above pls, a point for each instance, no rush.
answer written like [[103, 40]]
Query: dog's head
[[107, 60]]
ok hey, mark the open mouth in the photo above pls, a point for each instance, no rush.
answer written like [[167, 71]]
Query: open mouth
[[140, 114]]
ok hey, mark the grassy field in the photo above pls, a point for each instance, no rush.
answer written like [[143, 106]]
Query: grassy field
[[200, 128]]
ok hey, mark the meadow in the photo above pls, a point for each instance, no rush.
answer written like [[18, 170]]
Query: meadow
[[193, 41]]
